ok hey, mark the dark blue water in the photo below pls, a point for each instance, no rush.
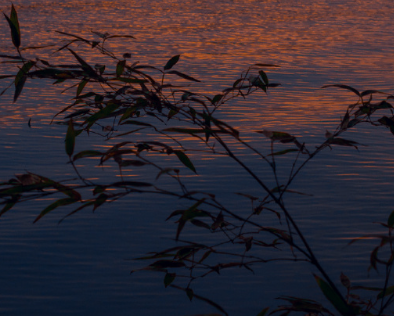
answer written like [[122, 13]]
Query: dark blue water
[[82, 266]]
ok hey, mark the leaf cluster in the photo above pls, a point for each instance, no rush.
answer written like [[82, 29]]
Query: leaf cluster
[[128, 102]]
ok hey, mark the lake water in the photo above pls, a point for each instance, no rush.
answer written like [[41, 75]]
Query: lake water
[[82, 266]]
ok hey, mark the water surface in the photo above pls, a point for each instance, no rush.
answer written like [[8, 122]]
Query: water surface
[[81, 266]]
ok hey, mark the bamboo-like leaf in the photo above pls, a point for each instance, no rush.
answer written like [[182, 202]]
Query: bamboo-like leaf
[[205, 256], [169, 278], [77, 113], [100, 200], [193, 131], [266, 65], [58, 186], [166, 170], [386, 121], [367, 288], [383, 105], [181, 224], [11, 57], [130, 183], [337, 301], [199, 223], [38, 47], [279, 189], [87, 153], [132, 162], [171, 63], [85, 66], [87, 95], [345, 121], [264, 77], [182, 75], [345, 280], [283, 152], [14, 26], [226, 128], [75, 36], [163, 264], [343, 142], [9, 204], [54, 73], [19, 88], [131, 80], [14, 18], [15, 190], [89, 203], [216, 99], [342, 86], [162, 254], [388, 291], [390, 221], [191, 295], [185, 160], [133, 122], [374, 258], [367, 92], [120, 67], [105, 112], [278, 136], [81, 86], [70, 139], [263, 312], [192, 211], [236, 82], [21, 77], [61, 202], [116, 36], [6, 76]]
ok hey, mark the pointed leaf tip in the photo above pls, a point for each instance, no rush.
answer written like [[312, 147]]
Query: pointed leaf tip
[[336, 300], [171, 63], [14, 27], [70, 139], [185, 160]]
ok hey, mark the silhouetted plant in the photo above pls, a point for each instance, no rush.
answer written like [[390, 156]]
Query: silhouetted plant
[[142, 97]]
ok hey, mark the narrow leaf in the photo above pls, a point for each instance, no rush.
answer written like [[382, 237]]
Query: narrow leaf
[[70, 139], [264, 77], [61, 202], [14, 27], [81, 86], [283, 152], [342, 86], [388, 291], [77, 113], [169, 278], [182, 75], [334, 298], [266, 65], [131, 80], [9, 205], [21, 77], [171, 63], [185, 160], [90, 71], [120, 68], [19, 88], [390, 221], [75, 36], [87, 153], [263, 312], [167, 264]]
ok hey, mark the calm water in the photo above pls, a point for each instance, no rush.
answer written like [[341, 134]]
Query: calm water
[[82, 266]]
